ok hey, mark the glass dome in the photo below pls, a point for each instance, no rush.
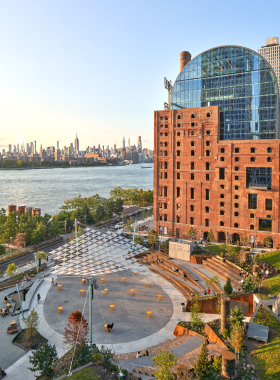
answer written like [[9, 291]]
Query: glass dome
[[240, 82]]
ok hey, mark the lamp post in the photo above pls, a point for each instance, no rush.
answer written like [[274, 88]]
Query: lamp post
[[20, 303], [65, 223], [90, 310]]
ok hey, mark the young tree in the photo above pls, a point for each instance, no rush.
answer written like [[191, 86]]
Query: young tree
[[39, 234], [237, 337], [127, 226], [213, 281], [191, 233], [43, 360], [218, 305], [210, 235], [152, 237], [267, 242], [31, 323], [19, 241], [165, 245], [236, 316], [165, 361], [2, 249], [249, 284], [244, 238], [203, 367], [228, 287], [12, 269], [76, 329], [83, 353], [196, 315]]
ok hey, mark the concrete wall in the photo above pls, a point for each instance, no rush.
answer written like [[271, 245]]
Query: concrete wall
[[181, 251]]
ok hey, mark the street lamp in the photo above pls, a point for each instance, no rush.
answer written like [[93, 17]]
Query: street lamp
[[85, 219], [65, 223]]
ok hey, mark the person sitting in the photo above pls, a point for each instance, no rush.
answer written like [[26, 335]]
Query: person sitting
[[147, 353], [139, 355], [3, 312]]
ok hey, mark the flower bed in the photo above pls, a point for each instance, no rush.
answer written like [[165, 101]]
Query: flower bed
[[29, 343]]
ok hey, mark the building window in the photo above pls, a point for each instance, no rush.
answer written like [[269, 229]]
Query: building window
[[178, 153], [192, 124], [193, 116], [178, 165], [236, 187], [207, 194], [222, 187], [166, 144], [165, 191], [236, 168], [236, 159], [222, 150], [178, 143], [268, 216], [252, 150], [252, 159], [252, 216], [192, 208], [192, 176], [178, 206], [178, 219], [206, 222], [268, 204], [251, 227], [166, 126], [165, 165], [236, 205], [178, 192], [160, 165], [269, 150], [192, 193], [236, 150], [207, 210], [160, 175], [166, 117], [165, 175], [207, 177], [178, 133], [165, 206], [222, 204], [191, 220], [160, 205], [207, 132], [192, 165], [222, 158], [236, 197], [161, 118], [222, 173], [208, 114], [235, 225], [192, 133], [207, 166], [192, 152], [236, 178], [161, 144], [236, 213], [257, 178], [165, 153], [269, 159], [178, 125], [252, 201], [192, 143], [207, 152], [265, 225], [221, 224], [178, 175], [222, 195], [179, 117], [160, 217], [222, 212], [161, 134], [160, 152], [166, 134], [165, 217], [207, 143]]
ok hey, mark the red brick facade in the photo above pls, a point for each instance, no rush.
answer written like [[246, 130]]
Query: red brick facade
[[187, 185]]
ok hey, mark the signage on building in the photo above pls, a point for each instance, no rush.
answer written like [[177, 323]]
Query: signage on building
[[252, 239]]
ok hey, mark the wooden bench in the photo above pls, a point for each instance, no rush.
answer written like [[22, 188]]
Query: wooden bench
[[12, 330]]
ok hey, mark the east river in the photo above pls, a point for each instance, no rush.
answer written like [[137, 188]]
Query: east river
[[48, 188]]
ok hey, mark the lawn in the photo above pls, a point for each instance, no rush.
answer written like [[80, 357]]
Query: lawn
[[264, 318], [272, 258], [273, 285], [214, 249], [267, 358], [86, 374]]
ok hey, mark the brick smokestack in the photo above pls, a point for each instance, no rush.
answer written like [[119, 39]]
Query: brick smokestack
[[185, 58]]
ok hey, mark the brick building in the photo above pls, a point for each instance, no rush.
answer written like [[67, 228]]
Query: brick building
[[207, 178]]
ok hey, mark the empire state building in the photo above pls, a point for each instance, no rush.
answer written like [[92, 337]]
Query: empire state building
[[76, 144]]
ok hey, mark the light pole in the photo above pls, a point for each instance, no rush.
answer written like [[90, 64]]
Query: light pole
[[65, 223], [90, 310], [20, 303]]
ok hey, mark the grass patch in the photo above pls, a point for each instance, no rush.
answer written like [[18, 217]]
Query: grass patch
[[266, 357], [214, 249], [86, 374], [263, 317], [272, 258], [272, 285], [12, 281], [263, 296]]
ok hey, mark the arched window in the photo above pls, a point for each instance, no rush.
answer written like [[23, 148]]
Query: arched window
[[221, 223], [166, 144], [165, 217], [236, 168], [236, 150], [222, 212], [207, 194], [192, 165], [192, 193], [207, 210], [193, 116], [236, 187], [222, 204], [269, 159], [160, 152], [165, 165], [236, 205], [166, 117], [192, 143], [178, 165], [178, 192], [208, 114], [165, 153], [252, 159], [252, 216], [222, 187], [192, 124], [192, 208], [178, 219], [236, 213], [191, 220], [222, 158], [166, 134], [160, 165], [178, 153], [251, 226], [206, 222], [192, 176], [178, 133], [165, 205], [269, 150], [236, 197], [161, 144], [165, 175], [178, 143], [235, 225], [207, 132], [192, 152], [253, 150], [207, 166], [178, 125], [178, 175], [179, 117], [222, 195], [222, 150], [161, 134], [207, 143], [236, 159], [207, 152], [165, 191]]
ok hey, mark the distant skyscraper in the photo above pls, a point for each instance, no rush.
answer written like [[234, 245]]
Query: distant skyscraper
[[128, 144], [271, 52], [57, 145], [139, 145], [76, 144], [115, 148], [35, 149], [18, 148], [123, 143]]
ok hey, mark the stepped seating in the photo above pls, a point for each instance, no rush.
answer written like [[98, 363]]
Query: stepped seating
[[222, 270]]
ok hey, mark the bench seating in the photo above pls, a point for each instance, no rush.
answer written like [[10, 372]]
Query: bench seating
[[12, 330]]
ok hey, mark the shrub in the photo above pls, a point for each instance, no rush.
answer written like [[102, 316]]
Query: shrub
[[225, 333], [217, 363], [228, 287]]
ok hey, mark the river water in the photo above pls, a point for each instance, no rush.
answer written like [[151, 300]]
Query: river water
[[48, 188]]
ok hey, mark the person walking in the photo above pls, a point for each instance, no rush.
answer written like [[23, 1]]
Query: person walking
[[208, 291], [38, 297]]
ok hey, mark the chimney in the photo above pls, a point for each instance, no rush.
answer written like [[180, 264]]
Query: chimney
[[185, 58]]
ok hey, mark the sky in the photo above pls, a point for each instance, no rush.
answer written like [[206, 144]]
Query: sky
[[97, 68]]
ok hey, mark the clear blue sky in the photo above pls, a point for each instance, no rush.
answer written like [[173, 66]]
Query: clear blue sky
[[97, 67]]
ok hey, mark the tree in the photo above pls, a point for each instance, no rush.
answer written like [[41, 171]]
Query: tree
[[213, 281], [165, 361], [267, 242], [236, 316], [2, 249], [237, 337], [228, 287], [39, 234], [43, 360], [127, 226], [203, 367], [143, 214], [171, 232], [152, 237], [31, 323], [83, 353], [244, 238], [76, 329], [196, 315], [217, 363], [11, 270], [218, 305], [249, 284], [165, 245], [19, 240], [54, 228], [191, 233], [210, 235]]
